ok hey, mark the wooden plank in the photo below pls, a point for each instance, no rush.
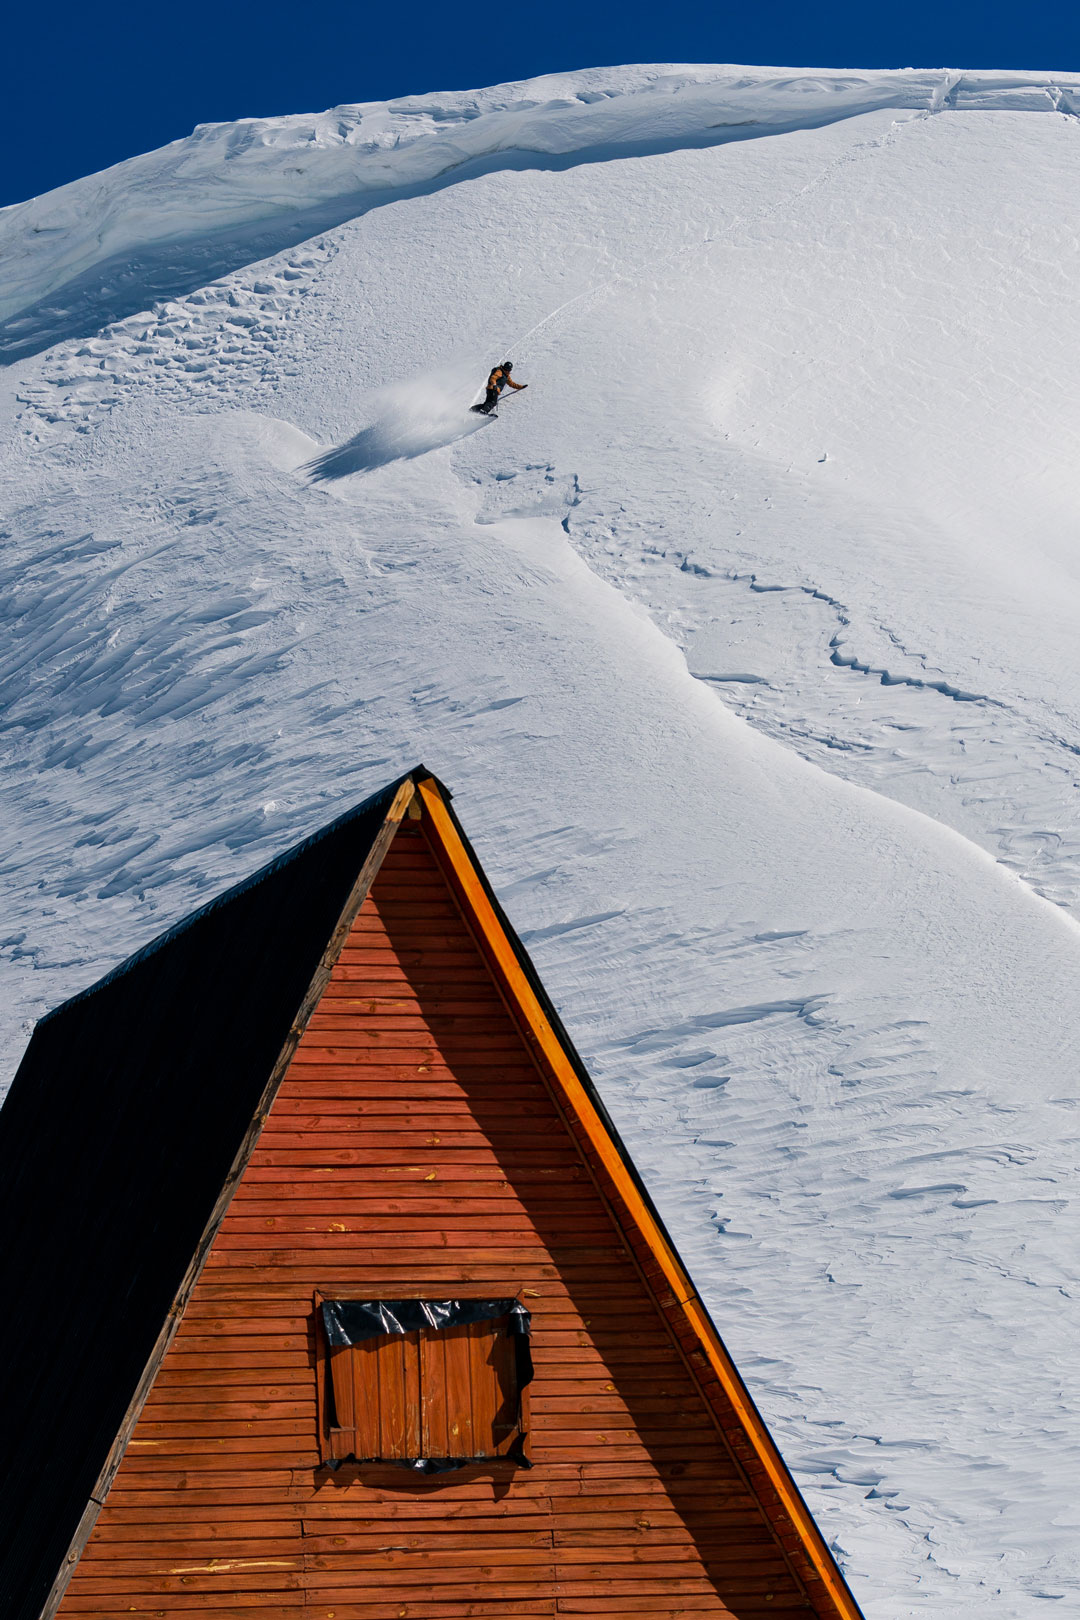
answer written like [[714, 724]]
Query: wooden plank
[[313, 1104], [742, 1523], [406, 1000], [170, 1486], [459, 1034], [431, 1532], [733, 1559], [679, 1476], [391, 1142], [571, 1349], [222, 1386], [665, 1581], [459, 1591], [254, 1521], [483, 1540], [423, 1082], [428, 1052], [386, 972], [400, 906], [592, 1402], [296, 1308], [466, 1135], [154, 1456], [254, 1344], [235, 1296], [445, 1160], [429, 1201], [658, 1445], [731, 1502], [251, 1578], [153, 1429], [240, 1279], [242, 1232], [642, 1607], [550, 1306], [106, 1556], [284, 1605], [292, 1252], [421, 1568], [623, 1560], [273, 1362], [616, 1420], [410, 1608], [406, 1174], [449, 1506], [357, 1018], [403, 890], [298, 1446], [406, 962], [370, 1487]]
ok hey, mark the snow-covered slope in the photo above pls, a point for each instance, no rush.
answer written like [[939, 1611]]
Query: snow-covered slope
[[166, 222], [746, 636]]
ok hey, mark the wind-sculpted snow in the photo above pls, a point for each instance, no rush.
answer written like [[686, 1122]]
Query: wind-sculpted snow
[[746, 637], [157, 226]]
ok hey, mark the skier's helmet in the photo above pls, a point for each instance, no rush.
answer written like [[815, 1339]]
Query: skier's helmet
[[508, 365]]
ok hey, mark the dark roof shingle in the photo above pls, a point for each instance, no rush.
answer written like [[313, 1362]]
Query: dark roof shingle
[[117, 1136]]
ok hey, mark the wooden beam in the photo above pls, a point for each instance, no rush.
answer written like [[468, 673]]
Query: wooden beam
[[536, 1025]]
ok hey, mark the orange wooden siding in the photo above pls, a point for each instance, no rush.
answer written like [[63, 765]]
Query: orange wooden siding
[[415, 1149]]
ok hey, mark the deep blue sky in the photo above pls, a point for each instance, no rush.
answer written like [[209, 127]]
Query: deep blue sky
[[90, 84]]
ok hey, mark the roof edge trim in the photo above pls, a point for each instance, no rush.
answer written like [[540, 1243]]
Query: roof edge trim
[[581, 1095]]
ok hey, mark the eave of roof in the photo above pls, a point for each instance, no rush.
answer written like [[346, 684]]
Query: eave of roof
[[571, 1076]]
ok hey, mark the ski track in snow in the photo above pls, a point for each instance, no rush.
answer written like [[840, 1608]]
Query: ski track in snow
[[838, 1040]]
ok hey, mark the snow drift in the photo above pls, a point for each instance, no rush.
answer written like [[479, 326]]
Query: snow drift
[[169, 221]]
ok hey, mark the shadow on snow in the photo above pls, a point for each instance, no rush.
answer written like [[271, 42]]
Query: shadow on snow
[[416, 417]]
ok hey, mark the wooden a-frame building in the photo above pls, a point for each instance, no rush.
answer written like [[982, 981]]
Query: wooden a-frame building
[[331, 1293]]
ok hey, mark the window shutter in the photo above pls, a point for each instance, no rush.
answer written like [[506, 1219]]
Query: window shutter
[[376, 1386], [471, 1402]]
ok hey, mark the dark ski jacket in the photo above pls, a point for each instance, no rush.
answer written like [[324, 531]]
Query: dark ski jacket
[[499, 379]]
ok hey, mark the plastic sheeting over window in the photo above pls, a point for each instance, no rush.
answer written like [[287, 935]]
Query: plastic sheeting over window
[[350, 1321]]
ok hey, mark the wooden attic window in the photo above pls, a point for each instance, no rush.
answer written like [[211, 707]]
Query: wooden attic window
[[427, 1383]]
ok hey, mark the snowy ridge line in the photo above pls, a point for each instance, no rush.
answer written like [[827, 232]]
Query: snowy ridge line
[[274, 182]]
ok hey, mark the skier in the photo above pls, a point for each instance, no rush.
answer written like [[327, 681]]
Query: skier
[[499, 379]]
